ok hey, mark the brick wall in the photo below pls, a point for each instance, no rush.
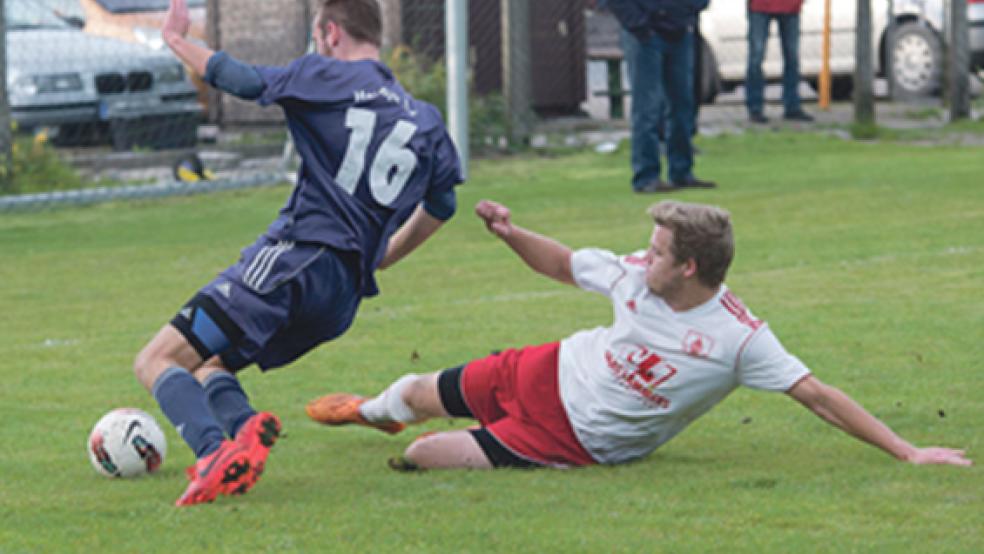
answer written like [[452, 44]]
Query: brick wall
[[262, 32], [269, 32]]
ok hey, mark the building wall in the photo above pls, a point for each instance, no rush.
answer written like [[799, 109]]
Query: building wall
[[262, 32]]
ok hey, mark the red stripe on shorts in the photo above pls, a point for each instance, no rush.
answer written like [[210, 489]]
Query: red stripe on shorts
[[515, 394]]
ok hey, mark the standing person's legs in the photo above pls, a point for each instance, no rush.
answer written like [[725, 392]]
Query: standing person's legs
[[698, 75], [644, 62], [789, 31], [758, 35], [678, 79]]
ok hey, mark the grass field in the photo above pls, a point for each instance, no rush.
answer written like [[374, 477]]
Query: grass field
[[866, 259]]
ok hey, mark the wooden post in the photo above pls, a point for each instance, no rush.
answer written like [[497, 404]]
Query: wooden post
[[517, 86], [823, 83]]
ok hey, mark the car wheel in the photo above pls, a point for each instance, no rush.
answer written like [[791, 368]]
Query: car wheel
[[841, 87], [710, 80], [157, 132], [916, 62]]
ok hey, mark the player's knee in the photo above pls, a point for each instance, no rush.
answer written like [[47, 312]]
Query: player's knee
[[423, 451], [142, 366], [149, 364], [414, 394], [423, 396]]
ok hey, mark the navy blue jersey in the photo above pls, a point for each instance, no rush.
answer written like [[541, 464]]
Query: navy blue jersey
[[369, 153]]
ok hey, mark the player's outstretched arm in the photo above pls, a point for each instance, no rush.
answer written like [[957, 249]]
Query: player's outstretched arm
[[412, 234], [543, 254], [840, 410], [175, 32]]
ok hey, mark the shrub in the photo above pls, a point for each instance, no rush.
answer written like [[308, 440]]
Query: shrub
[[38, 168]]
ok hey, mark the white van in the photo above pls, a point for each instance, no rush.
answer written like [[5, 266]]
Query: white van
[[914, 44]]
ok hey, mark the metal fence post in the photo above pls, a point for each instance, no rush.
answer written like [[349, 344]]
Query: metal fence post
[[958, 61], [6, 134], [456, 37], [516, 73], [864, 99], [889, 60]]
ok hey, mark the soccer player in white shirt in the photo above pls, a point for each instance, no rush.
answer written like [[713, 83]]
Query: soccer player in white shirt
[[680, 343]]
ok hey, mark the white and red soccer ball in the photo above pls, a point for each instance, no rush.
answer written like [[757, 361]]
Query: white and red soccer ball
[[126, 442]]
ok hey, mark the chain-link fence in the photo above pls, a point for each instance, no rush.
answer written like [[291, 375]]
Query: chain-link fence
[[92, 79]]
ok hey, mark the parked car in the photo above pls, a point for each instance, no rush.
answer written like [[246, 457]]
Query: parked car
[[82, 85], [914, 43], [138, 21]]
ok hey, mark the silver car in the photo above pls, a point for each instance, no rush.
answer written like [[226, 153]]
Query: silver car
[[911, 39], [84, 86]]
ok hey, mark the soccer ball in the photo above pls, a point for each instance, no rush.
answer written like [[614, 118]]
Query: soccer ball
[[126, 442]]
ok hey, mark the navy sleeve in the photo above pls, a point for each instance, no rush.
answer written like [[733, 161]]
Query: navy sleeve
[[441, 204], [310, 78], [233, 76], [447, 167]]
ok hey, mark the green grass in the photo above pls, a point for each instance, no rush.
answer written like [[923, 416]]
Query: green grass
[[866, 259]]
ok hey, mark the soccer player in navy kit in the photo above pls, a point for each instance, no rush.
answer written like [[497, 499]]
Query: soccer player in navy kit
[[377, 179]]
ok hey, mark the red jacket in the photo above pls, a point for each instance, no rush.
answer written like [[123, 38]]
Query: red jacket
[[774, 6]]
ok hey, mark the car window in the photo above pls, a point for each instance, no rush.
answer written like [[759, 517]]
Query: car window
[[29, 14], [123, 6]]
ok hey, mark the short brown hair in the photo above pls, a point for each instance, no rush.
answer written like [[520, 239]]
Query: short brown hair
[[700, 232], [361, 19]]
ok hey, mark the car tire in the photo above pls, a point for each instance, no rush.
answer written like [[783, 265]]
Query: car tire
[[710, 81], [159, 133], [916, 62], [841, 87]]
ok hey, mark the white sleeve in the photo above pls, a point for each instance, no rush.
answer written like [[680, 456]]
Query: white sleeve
[[764, 364], [596, 270]]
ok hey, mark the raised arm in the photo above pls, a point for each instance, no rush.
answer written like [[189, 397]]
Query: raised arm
[[175, 32], [543, 254], [841, 411]]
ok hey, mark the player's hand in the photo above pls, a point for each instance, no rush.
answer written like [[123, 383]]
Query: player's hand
[[496, 217], [177, 22], [938, 455]]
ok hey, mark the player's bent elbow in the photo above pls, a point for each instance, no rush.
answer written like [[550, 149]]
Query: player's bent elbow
[[809, 391]]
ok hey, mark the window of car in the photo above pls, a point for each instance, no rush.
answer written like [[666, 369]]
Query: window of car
[[25, 14]]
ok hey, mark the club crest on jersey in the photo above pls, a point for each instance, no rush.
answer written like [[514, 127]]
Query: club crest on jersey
[[642, 371], [697, 344], [631, 305]]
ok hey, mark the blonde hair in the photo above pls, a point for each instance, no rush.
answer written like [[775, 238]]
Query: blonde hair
[[700, 232], [361, 19]]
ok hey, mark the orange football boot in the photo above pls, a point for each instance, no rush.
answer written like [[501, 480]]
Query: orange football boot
[[343, 409]]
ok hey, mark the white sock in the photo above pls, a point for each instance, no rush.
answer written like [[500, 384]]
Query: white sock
[[389, 405]]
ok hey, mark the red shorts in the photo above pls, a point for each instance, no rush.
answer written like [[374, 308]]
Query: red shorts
[[516, 397]]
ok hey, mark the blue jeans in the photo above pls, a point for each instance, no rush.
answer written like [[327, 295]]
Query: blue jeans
[[758, 35], [661, 71]]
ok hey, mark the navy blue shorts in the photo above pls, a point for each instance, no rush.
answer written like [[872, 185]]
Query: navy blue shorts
[[279, 301]]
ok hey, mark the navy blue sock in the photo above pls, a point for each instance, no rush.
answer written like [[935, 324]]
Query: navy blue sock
[[228, 401], [183, 401]]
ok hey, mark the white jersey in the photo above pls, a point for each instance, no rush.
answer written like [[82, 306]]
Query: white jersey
[[631, 387]]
